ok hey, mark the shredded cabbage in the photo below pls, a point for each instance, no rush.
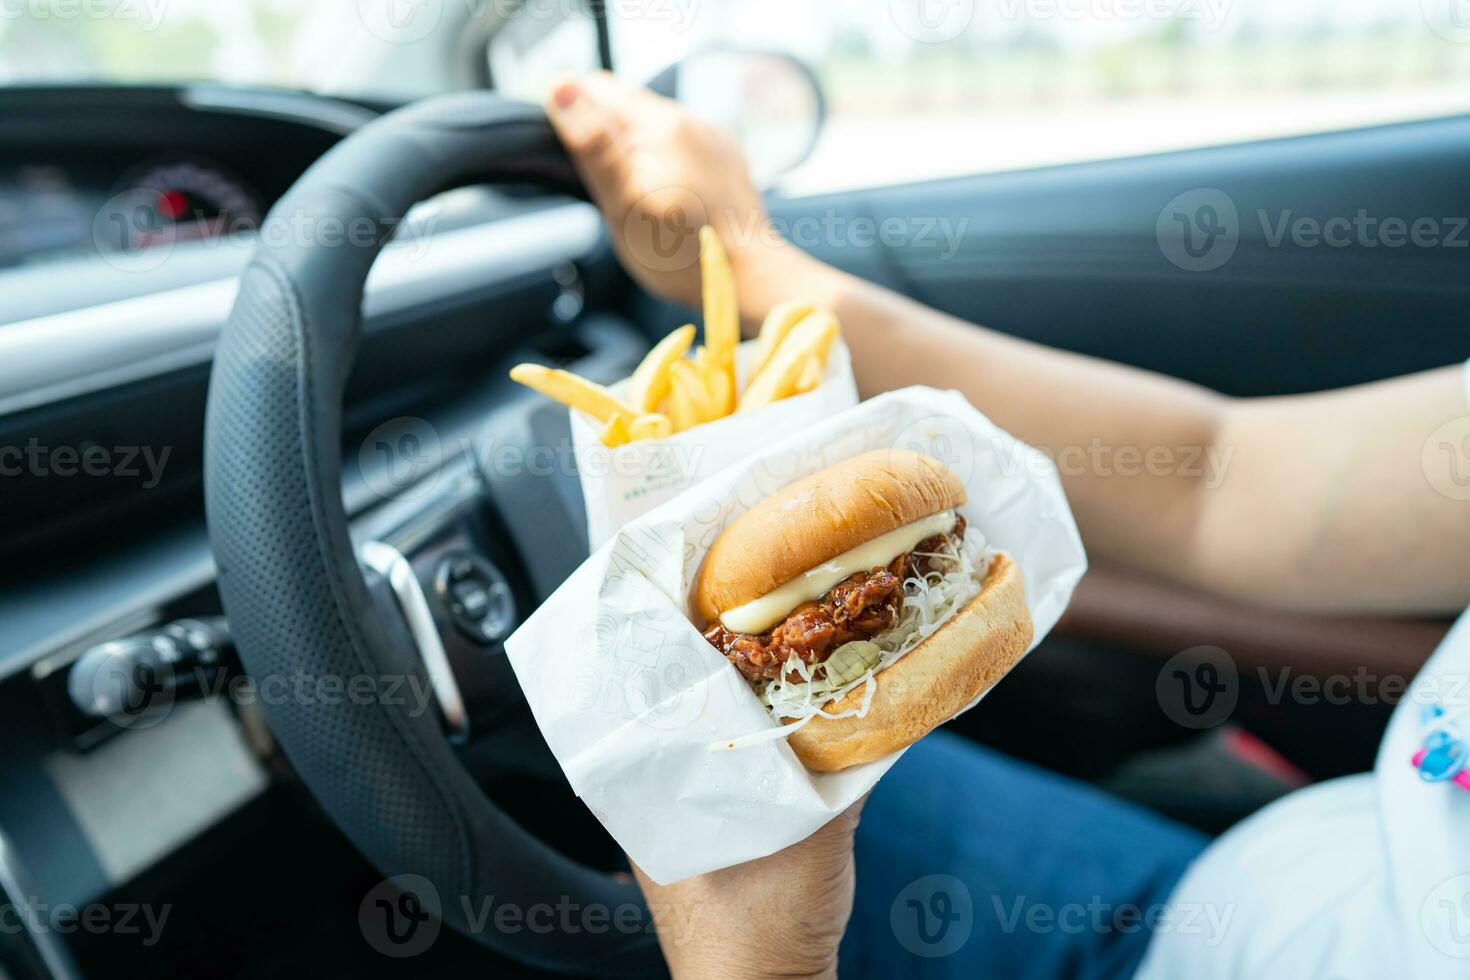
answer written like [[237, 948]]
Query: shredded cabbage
[[928, 601]]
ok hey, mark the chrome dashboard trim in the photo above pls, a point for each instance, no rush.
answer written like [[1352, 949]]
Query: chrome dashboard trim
[[389, 562]]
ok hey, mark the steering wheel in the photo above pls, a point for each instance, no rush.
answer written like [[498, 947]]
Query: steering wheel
[[290, 581]]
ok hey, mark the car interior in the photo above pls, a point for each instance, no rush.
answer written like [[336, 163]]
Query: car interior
[[232, 809]]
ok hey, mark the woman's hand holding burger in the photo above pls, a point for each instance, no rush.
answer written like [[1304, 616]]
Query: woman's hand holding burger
[[778, 916], [658, 174]]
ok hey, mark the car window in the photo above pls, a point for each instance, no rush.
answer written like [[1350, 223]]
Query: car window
[[539, 43], [933, 88]]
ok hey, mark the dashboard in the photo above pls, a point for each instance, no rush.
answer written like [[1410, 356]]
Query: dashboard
[[127, 173], [51, 207], [125, 217]]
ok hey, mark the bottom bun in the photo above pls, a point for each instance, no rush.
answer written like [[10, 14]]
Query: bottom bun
[[934, 681]]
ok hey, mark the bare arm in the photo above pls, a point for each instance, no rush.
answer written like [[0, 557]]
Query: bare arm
[[1317, 502], [1326, 501]]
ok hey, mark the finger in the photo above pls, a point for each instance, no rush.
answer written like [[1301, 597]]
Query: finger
[[639, 112], [584, 120], [591, 131], [622, 95]]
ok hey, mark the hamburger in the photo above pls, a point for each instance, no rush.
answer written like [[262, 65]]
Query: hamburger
[[862, 607]]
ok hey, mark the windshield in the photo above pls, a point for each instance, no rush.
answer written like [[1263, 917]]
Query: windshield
[[923, 89], [317, 45]]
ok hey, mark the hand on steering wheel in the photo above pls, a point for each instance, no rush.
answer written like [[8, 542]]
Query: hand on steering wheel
[[658, 174], [289, 576]]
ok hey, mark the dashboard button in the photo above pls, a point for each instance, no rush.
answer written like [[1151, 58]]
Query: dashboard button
[[477, 597]]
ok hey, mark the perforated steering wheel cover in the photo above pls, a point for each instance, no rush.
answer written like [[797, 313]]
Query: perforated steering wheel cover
[[288, 577]]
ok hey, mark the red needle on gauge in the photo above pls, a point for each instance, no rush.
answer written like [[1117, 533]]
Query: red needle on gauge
[[172, 204]]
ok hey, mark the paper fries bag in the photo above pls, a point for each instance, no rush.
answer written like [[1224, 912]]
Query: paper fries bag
[[631, 698], [621, 484]]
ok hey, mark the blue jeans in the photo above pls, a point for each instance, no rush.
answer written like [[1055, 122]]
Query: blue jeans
[[973, 865]]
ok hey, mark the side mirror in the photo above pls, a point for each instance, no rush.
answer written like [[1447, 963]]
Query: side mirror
[[771, 101]]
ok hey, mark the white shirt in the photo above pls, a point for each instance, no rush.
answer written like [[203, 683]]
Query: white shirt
[[1363, 877]]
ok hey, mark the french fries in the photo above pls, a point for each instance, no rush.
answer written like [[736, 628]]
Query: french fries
[[650, 383], [690, 402], [571, 390], [774, 328], [812, 337], [811, 374], [654, 425], [621, 430], [675, 389], [615, 433], [721, 313], [719, 384]]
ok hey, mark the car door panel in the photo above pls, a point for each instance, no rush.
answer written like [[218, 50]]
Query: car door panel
[[1071, 257], [1075, 257]]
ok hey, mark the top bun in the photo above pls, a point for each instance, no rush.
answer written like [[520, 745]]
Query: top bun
[[818, 518]]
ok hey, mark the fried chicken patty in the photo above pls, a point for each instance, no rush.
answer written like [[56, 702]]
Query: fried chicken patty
[[858, 608]]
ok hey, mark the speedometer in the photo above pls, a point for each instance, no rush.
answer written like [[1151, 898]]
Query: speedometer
[[178, 201]]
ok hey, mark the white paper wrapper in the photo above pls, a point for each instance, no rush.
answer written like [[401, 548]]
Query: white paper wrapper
[[630, 696], [621, 484]]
